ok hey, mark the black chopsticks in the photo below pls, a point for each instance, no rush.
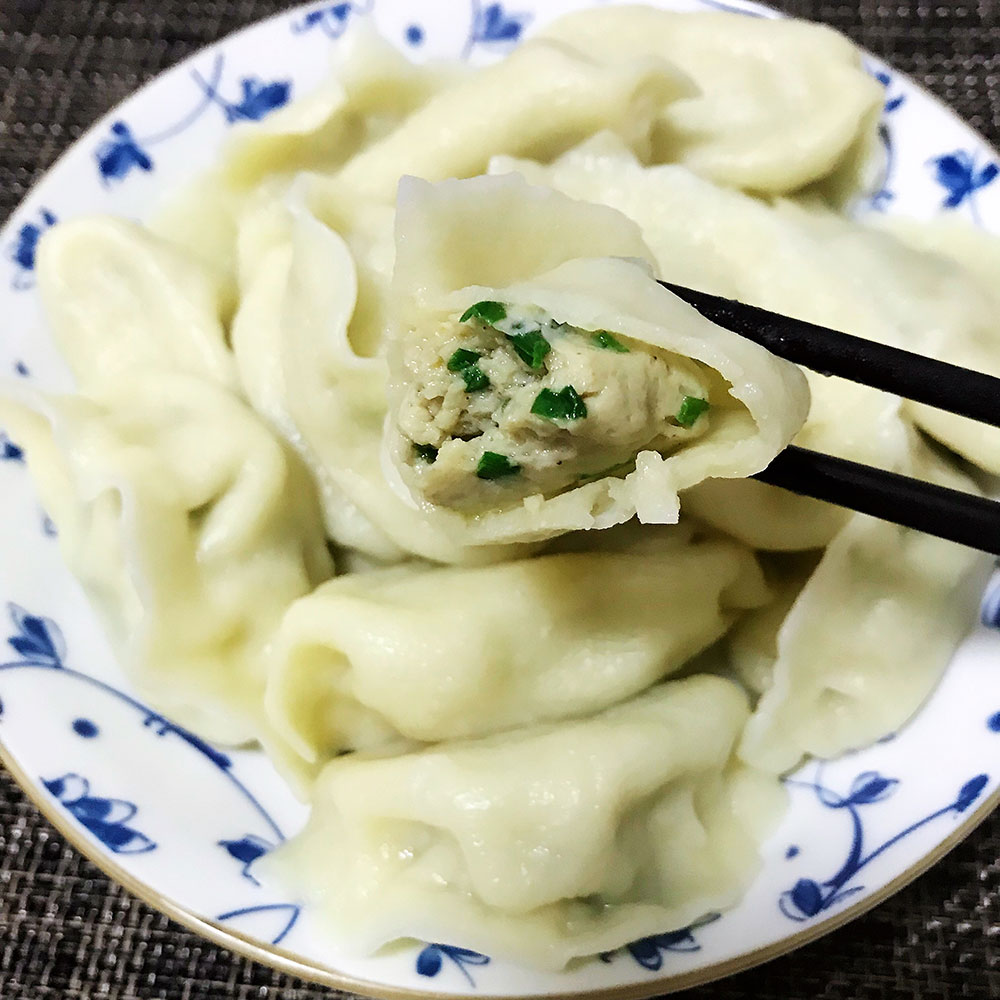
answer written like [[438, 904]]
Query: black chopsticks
[[936, 510], [830, 352], [913, 503]]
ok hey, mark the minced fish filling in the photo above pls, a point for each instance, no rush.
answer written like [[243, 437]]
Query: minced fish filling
[[506, 401]]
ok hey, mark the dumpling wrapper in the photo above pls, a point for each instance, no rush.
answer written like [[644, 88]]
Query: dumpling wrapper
[[586, 267], [190, 528], [867, 638], [544, 844], [117, 297], [782, 103], [923, 287], [436, 654], [370, 89], [939, 280], [752, 643], [303, 295], [539, 101]]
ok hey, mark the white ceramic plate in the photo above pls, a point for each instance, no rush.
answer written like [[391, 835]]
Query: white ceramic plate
[[181, 824]]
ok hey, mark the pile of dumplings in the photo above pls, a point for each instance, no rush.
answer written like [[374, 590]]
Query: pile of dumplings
[[540, 703]]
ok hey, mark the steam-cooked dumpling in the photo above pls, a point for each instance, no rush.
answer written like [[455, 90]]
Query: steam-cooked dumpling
[[302, 299], [938, 284], [543, 385], [542, 99], [867, 638], [543, 844], [434, 654], [190, 528], [752, 644], [117, 297], [780, 104], [371, 88]]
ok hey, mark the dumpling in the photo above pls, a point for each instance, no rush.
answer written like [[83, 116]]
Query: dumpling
[[544, 382], [436, 654], [938, 281], [867, 638], [544, 844], [764, 517], [542, 99], [302, 298], [752, 644], [191, 529], [116, 297], [371, 88], [781, 104]]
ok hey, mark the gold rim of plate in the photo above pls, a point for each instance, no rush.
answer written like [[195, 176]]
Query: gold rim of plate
[[306, 968]]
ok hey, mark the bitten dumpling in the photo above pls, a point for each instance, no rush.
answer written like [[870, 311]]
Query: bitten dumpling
[[547, 843], [545, 382], [190, 527]]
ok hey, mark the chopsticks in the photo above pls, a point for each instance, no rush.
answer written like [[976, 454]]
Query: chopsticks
[[830, 352], [913, 503]]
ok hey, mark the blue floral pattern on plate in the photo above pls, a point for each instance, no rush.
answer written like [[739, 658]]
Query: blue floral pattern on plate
[[809, 897], [648, 952], [332, 19], [39, 644], [23, 250], [431, 960], [247, 850], [106, 819], [894, 100], [493, 24], [959, 173], [123, 151], [9, 452]]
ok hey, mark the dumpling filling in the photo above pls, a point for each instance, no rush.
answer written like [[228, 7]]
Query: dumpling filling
[[505, 401]]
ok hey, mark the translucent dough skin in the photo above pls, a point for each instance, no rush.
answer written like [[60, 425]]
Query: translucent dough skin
[[190, 528], [545, 844], [438, 654], [780, 104], [837, 681], [577, 274], [117, 297], [580, 95]]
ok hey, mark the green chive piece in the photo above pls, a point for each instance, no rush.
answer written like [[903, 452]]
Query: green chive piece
[[427, 452], [531, 348], [494, 466], [462, 359], [488, 312], [609, 342], [565, 404], [474, 378], [692, 407], [464, 363]]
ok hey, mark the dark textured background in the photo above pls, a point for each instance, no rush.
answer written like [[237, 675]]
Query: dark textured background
[[65, 930]]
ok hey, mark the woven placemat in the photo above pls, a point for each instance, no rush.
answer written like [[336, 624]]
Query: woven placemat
[[66, 931]]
